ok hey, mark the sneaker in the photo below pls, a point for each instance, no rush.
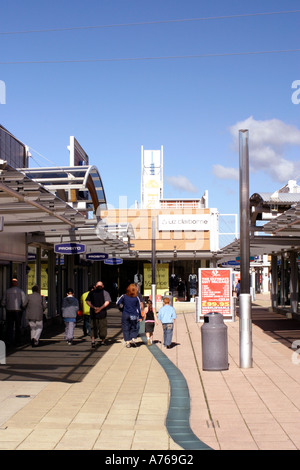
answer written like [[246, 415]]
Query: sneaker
[[128, 345], [69, 343]]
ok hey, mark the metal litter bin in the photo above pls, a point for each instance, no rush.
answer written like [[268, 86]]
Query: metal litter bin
[[214, 342], [170, 296]]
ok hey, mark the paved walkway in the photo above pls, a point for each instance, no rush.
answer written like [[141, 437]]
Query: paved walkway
[[113, 398]]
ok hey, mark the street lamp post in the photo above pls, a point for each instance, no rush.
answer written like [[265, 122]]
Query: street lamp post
[[153, 284], [244, 298]]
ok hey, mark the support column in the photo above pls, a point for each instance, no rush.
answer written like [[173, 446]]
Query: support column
[[70, 271], [245, 298], [274, 283], [59, 285], [52, 299], [153, 285], [282, 281], [294, 283], [38, 267]]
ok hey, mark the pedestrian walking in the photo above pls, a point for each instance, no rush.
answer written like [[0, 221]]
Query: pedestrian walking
[[167, 316], [98, 299], [151, 320], [140, 297], [14, 300], [70, 307], [238, 288], [86, 311], [131, 315], [35, 308]]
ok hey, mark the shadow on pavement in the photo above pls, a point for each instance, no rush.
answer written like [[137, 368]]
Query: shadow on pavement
[[54, 359]]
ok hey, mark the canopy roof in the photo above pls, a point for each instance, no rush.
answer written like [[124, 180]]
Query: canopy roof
[[26, 206], [78, 184], [280, 231]]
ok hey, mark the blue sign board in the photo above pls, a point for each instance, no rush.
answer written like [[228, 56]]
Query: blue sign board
[[96, 256], [113, 261], [69, 248]]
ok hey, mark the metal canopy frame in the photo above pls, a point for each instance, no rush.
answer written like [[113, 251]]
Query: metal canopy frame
[[281, 231], [28, 207], [76, 185]]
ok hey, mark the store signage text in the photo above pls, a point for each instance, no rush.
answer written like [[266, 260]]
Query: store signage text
[[69, 248], [184, 222], [215, 291], [113, 261], [96, 256]]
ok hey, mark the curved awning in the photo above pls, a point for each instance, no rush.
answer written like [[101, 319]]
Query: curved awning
[[79, 185]]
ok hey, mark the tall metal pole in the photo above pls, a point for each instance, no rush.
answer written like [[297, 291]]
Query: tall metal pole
[[245, 298], [153, 285]]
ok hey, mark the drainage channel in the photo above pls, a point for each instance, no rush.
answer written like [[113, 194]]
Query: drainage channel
[[178, 417]]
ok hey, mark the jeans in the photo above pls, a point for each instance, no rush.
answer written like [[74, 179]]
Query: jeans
[[130, 326], [87, 325], [168, 333]]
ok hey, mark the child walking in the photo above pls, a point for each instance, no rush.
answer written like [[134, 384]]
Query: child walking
[[150, 321], [70, 307]]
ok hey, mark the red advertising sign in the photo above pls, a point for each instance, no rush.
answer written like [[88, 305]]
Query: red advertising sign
[[215, 291]]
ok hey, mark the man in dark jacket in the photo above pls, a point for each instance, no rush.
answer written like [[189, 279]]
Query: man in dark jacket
[[98, 300], [14, 301]]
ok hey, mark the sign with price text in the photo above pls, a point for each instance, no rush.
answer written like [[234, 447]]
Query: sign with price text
[[215, 292]]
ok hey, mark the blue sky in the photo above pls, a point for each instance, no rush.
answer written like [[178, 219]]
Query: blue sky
[[192, 106]]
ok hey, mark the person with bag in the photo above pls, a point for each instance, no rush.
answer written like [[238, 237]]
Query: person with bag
[[35, 308], [131, 315], [167, 316], [86, 311], [151, 320], [70, 307]]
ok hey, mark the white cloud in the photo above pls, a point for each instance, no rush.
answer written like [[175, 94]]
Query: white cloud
[[222, 172], [268, 141], [182, 183]]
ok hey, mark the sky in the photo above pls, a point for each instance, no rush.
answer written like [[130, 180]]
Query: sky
[[183, 74]]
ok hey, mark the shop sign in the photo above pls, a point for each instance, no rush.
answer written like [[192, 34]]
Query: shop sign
[[231, 263], [96, 256], [215, 292], [69, 248], [181, 222], [162, 278], [113, 261]]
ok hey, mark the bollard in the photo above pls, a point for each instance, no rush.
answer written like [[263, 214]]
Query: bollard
[[214, 342], [2, 352]]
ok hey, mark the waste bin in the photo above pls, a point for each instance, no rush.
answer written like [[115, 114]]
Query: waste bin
[[214, 342], [170, 296]]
